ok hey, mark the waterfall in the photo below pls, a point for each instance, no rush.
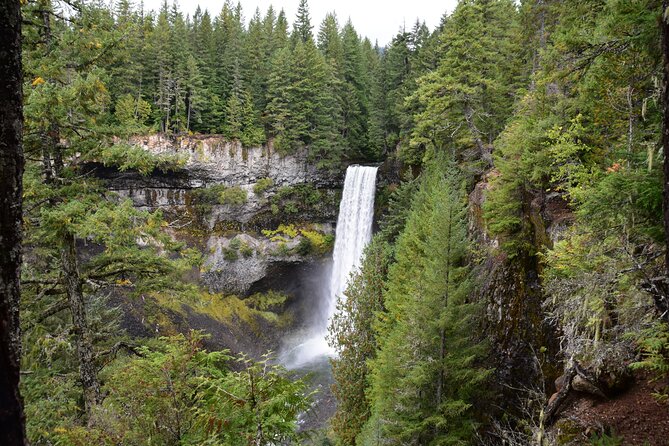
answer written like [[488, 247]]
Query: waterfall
[[353, 233], [354, 229]]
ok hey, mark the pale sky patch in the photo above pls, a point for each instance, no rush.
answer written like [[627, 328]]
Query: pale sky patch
[[377, 19]]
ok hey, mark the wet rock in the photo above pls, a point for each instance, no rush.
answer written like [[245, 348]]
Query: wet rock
[[581, 384]]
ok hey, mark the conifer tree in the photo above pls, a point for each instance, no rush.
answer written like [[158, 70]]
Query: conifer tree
[[469, 96], [376, 129], [302, 25], [352, 335], [329, 41], [355, 101], [240, 119], [68, 205], [424, 378]]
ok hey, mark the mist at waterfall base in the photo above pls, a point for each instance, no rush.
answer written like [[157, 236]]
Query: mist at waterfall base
[[353, 233]]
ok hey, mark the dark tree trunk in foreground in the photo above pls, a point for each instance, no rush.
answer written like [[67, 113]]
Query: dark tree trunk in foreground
[[665, 126], [12, 421]]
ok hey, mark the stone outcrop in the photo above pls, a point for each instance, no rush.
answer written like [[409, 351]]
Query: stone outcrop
[[297, 192], [235, 269], [212, 159], [511, 292]]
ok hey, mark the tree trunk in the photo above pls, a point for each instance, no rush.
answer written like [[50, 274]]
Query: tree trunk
[[82, 335], [12, 419], [665, 127], [485, 152]]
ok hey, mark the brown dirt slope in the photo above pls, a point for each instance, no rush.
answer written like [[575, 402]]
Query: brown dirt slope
[[635, 417]]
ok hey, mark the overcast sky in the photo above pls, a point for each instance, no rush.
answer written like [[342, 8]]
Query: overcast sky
[[377, 19]]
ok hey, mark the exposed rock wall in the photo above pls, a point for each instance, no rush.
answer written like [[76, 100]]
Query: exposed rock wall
[[524, 345], [297, 193], [212, 159]]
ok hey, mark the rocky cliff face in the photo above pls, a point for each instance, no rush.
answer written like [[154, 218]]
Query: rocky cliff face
[[524, 344], [212, 159], [226, 198]]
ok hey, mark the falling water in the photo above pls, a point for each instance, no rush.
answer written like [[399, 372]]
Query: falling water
[[354, 230]]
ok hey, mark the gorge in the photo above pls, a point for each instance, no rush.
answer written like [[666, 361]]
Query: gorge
[[238, 228]]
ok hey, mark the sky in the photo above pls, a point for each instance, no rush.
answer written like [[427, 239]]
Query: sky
[[377, 19]]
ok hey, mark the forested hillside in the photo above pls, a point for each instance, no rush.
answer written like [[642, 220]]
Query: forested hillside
[[515, 291]]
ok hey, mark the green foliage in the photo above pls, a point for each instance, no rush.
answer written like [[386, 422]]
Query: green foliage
[[203, 199], [588, 121], [311, 241], [282, 250], [352, 335], [654, 344], [275, 235], [268, 301], [132, 113], [606, 440], [468, 98], [234, 196], [318, 242], [230, 255], [424, 378], [301, 199], [232, 251], [125, 157], [241, 122], [176, 393], [246, 250], [262, 185]]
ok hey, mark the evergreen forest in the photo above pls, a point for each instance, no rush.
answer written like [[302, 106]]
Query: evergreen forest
[[170, 187]]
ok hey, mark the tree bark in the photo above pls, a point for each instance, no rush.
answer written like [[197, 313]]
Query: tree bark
[[87, 372], [485, 152], [665, 127], [12, 419]]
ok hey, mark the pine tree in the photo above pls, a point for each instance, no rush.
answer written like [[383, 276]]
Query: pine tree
[[68, 205], [329, 41], [376, 129], [240, 118], [468, 98], [285, 123], [165, 76], [352, 335], [424, 378], [355, 101], [302, 25]]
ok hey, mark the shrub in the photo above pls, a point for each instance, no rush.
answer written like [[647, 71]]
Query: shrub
[[282, 250], [178, 381], [235, 196], [230, 254], [291, 208], [271, 300], [202, 199], [289, 231], [317, 240], [654, 345], [305, 247], [235, 243], [246, 250], [262, 185]]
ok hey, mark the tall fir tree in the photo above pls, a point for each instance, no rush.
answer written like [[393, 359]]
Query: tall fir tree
[[425, 378]]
